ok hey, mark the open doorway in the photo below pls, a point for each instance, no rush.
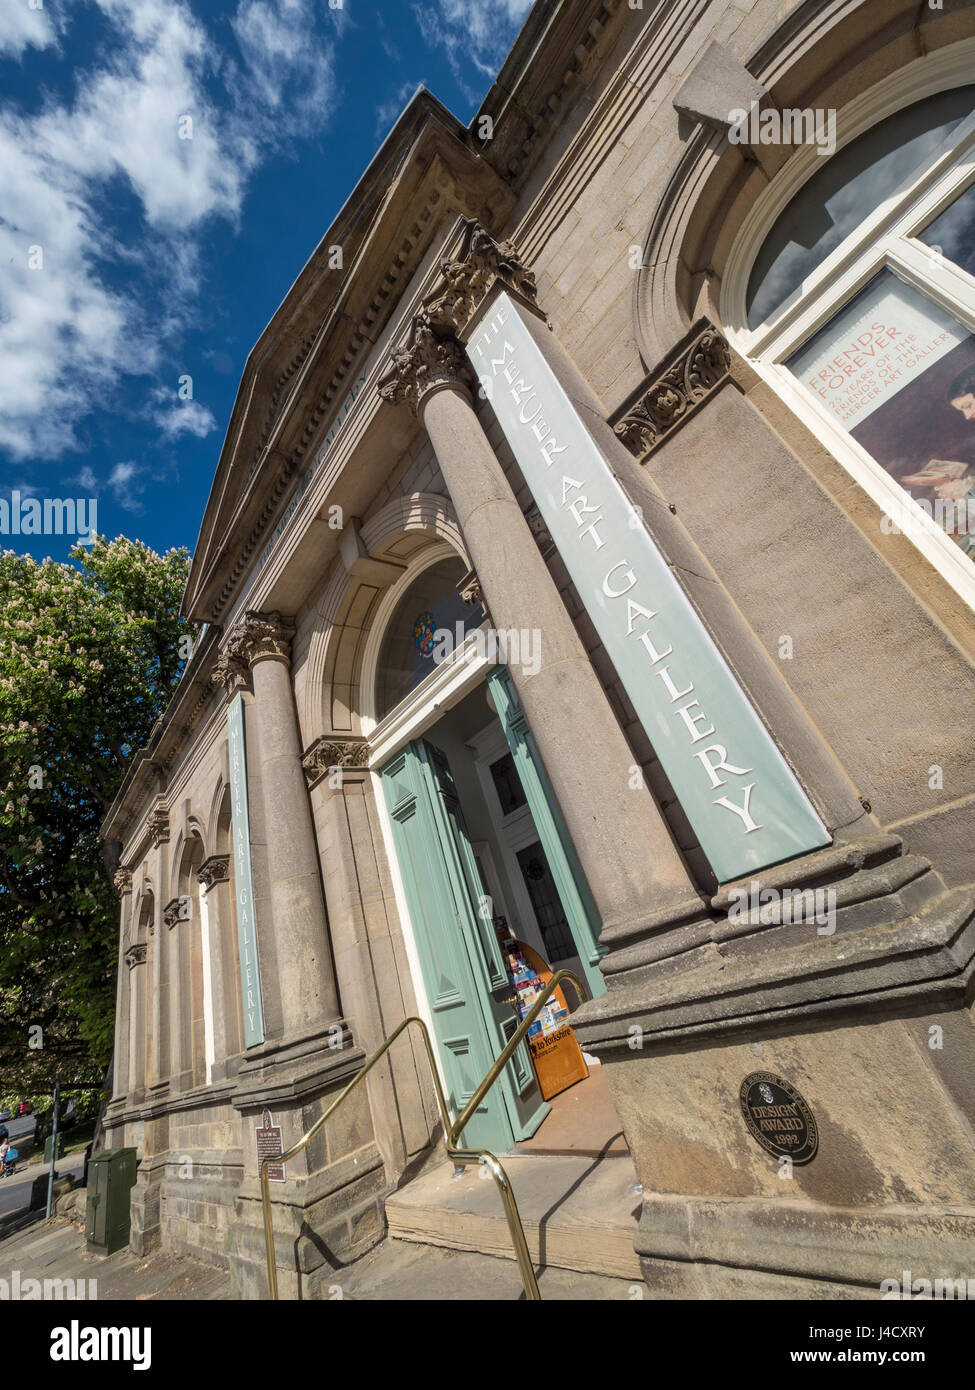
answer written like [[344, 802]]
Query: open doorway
[[496, 902]]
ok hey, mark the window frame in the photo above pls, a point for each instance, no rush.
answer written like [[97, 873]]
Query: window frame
[[886, 239]]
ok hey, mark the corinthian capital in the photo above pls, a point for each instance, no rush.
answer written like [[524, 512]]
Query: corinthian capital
[[467, 280], [123, 881], [428, 359], [257, 637]]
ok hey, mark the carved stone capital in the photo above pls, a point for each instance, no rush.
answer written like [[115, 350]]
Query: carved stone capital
[[685, 379], [329, 752], [260, 637], [232, 672], [429, 359], [216, 869], [136, 954], [467, 280], [123, 881], [171, 912], [158, 826]]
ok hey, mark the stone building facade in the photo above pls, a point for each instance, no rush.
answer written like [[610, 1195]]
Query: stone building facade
[[724, 312]]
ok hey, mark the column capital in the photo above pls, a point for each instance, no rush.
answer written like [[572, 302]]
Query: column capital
[[136, 954], [216, 869], [467, 279], [257, 637], [158, 825], [429, 359], [122, 880], [171, 914], [329, 752]]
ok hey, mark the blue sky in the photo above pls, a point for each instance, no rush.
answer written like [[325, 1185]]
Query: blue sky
[[132, 258]]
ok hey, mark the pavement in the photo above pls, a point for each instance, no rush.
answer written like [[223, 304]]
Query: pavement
[[394, 1271]]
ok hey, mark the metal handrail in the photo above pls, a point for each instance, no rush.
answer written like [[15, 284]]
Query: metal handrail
[[451, 1132]]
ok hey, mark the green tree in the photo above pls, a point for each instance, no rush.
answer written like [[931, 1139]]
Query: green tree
[[90, 654]]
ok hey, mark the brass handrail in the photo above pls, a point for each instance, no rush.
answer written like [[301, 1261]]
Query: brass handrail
[[451, 1133]]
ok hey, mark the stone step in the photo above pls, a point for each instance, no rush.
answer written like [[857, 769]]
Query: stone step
[[578, 1213]]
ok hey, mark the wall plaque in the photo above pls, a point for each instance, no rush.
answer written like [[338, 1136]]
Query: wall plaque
[[737, 790], [778, 1117], [268, 1146]]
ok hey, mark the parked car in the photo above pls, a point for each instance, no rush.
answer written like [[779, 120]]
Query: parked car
[[25, 1109], [4, 1115]]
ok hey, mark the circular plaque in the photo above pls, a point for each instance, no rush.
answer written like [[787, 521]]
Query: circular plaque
[[778, 1117]]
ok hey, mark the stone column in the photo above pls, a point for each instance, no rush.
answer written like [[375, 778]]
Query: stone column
[[213, 872], [306, 977], [120, 1069], [635, 873]]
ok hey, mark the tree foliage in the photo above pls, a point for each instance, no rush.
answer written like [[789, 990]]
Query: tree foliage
[[90, 653]]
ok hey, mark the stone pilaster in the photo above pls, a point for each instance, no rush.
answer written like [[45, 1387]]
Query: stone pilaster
[[212, 872]]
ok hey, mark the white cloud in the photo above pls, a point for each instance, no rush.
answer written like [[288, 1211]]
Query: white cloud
[[23, 27], [189, 417], [477, 34], [70, 325]]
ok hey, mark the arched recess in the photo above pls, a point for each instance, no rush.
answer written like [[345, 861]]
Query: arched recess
[[400, 533], [861, 61]]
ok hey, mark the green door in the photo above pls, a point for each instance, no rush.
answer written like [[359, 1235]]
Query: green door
[[579, 909], [466, 982]]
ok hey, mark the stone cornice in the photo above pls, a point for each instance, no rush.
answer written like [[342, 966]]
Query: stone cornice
[[670, 395], [332, 751], [216, 869]]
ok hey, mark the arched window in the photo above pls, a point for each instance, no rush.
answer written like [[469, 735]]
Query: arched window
[[428, 622], [852, 289]]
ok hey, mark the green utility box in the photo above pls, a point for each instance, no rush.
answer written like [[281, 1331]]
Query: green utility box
[[47, 1148], [111, 1176]]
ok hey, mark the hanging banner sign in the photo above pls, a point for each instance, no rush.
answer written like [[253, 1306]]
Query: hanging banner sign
[[250, 970], [736, 789]]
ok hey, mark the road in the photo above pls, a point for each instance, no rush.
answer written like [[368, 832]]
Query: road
[[15, 1191]]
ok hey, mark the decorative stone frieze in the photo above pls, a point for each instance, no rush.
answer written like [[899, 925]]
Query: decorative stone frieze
[[123, 881], [216, 869], [328, 752], [171, 912], [136, 954], [429, 359], [682, 382], [470, 276]]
